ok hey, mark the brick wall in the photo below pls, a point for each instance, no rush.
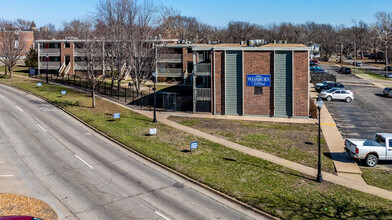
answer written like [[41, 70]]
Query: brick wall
[[301, 80], [67, 51], [219, 82], [258, 62], [186, 57]]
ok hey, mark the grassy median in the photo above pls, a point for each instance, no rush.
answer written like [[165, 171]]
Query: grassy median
[[277, 190]]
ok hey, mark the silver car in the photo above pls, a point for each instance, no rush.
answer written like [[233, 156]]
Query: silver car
[[337, 94]]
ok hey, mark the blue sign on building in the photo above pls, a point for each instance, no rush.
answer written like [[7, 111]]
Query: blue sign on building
[[258, 80], [116, 115], [194, 145]]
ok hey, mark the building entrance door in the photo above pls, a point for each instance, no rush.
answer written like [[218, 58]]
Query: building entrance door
[[67, 59]]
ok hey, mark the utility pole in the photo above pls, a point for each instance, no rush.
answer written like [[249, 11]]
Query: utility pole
[[341, 55], [355, 56], [386, 59]]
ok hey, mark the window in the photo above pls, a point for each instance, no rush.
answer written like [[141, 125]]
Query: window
[[67, 45], [258, 90], [189, 50]]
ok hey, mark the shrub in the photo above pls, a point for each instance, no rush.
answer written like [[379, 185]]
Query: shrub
[[312, 109]]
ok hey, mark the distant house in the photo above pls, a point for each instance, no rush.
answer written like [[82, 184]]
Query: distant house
[[26, 38], [314, 50]]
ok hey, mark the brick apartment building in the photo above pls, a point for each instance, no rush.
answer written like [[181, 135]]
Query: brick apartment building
[[228, 79], [270, 80], [25, 38]]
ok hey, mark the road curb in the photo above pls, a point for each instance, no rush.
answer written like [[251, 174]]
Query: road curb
[[186, 178]]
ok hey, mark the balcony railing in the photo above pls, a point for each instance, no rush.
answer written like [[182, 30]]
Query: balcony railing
[[169, 72], [79, 51], [170, 58], [203, 68], [203, 94], [49, 65], [50, 51]]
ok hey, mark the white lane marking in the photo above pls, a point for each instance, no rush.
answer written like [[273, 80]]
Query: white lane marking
[[42, 128], [84, 161], [19, 108], [162, 215], [6, 175], [1, 96]]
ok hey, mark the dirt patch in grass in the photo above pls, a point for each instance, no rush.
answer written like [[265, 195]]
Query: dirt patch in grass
[[295, 142], [11, 204]]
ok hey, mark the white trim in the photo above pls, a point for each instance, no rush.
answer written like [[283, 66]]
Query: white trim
[[242, 84], [225, 84], [292, 83], [203, 48], [214, 92], [274, 81]]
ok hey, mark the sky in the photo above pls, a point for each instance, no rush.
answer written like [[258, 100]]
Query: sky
[[213, 12]]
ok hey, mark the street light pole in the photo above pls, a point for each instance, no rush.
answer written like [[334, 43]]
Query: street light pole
[[47, 63], [154, 74], [319, 104], [355, 56]]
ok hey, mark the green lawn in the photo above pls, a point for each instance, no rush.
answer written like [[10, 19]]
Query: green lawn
[[369, 74], [295, 142], [378, 177], [277, 190]]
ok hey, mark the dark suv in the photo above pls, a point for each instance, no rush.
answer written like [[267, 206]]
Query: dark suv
[[329, 85], [345, 70]]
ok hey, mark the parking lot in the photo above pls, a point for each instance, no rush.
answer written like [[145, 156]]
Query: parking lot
[[368, 113]]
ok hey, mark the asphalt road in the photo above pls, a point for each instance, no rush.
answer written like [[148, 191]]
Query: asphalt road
[[47, 154]]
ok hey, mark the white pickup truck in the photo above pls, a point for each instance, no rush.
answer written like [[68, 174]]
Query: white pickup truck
[[379, 148]]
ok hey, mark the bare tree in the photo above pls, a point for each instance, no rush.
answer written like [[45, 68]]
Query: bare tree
[[142, 48], [238, 31], [384, 28], [92, 57], [12, 46], [48, 31]]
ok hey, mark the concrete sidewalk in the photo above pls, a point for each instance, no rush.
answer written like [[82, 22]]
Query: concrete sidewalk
[[344, 165], [340, 180]]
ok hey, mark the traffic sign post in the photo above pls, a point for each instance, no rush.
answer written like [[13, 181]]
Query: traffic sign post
[[116, 115], [153, 131], [194, 145]]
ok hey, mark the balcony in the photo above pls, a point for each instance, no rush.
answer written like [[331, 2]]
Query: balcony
[[79, 51], [170, 58], [203, 94], [169, 72], [203, 69], [49, 51], [52, 65]]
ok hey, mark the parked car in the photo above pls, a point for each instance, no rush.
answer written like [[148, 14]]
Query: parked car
[[321, 71], [357, 64], [345, 70], [389, 68], [315, 67], [314, 61], [349, 57], [321, 86], [372, 150], [387, 92], [337, 94], [333, 86]]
